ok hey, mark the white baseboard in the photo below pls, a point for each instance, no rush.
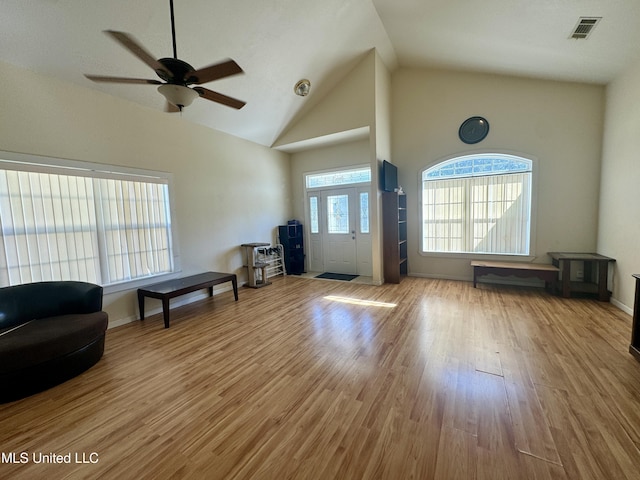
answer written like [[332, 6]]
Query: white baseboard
[[621, 306]]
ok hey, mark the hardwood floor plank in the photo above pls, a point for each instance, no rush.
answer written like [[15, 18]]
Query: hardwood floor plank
[[495, 430], [531, 429], [624, 384], [532, 434], [461, 412], [457, 458]]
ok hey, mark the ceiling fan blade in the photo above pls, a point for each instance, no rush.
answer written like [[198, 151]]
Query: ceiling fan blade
[[131, 44], [102, 78], [213, 72], [219, 98]]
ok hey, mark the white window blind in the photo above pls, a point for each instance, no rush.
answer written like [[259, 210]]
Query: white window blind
[[48, 228], [75, 224], [135, 229], [478, 204]]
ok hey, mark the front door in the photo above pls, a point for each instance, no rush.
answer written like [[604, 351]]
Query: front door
[[338, 217]]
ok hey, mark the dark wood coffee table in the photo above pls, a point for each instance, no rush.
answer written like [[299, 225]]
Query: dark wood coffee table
[[169, 289]]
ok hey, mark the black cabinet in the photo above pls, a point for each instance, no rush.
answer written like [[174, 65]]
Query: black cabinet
[[291, 240]]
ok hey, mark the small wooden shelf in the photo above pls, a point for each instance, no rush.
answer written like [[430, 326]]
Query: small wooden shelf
[[261, 265], [584, 287]]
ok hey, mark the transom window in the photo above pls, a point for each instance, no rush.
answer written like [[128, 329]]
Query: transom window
[[337, 178], [477, 204], [70, 222]]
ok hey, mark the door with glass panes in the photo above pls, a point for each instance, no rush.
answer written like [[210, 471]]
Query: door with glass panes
[[339, 238]]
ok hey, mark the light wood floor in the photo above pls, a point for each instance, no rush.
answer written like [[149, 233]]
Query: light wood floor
[[310, 379]]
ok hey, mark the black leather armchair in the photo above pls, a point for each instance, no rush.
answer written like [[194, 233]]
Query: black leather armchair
[[49, 333]]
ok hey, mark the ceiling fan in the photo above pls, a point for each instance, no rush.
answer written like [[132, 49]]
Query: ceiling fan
[[176, 74]]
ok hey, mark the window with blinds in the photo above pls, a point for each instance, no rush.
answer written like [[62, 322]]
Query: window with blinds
[[78, 223], [477, 204]]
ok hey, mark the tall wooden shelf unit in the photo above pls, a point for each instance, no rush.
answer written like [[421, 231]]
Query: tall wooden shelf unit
[[394, 236]]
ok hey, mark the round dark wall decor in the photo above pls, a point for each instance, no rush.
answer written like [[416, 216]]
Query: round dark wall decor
[[473, 130]]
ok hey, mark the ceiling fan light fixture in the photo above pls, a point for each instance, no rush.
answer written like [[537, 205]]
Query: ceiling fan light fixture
[[178, 95], [302, 87]]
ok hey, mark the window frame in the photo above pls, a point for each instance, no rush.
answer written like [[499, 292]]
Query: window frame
[[487, 256], [55, 165]]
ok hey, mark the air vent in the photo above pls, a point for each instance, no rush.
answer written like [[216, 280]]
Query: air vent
[[584, 27]]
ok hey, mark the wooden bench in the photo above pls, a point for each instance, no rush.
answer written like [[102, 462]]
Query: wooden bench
[[548, 273], [180, 286]]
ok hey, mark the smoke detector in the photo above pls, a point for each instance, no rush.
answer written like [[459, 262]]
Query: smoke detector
[[302, 87]]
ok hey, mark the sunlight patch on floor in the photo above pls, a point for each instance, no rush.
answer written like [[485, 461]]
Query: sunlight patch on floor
[[358, 301]]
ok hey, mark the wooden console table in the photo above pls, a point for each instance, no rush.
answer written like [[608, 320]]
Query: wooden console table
[[180, 286], [591, 285], [634, 348]]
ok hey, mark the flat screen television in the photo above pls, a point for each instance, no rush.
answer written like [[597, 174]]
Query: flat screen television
[[389, 176]]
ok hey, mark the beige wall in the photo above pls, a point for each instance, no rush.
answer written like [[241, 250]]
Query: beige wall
[[348, 106], [619, 228], [227, 191], [560, 124]]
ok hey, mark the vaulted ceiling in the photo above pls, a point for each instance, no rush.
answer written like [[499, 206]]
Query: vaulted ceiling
[[278, 42]]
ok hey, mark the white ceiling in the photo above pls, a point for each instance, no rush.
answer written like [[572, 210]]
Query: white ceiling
[[278, 42]]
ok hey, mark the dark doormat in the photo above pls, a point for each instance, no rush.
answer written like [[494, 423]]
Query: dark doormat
[[337, 276]]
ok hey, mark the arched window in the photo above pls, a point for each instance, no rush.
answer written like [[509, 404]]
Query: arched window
[[477, 204]]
